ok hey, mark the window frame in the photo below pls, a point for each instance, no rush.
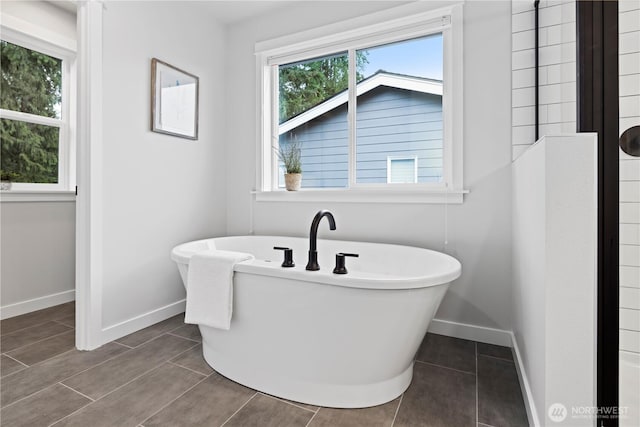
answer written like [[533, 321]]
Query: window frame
[[66, 123], [272, 53]]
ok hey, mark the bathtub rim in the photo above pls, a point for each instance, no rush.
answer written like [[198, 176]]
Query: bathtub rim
[[326, 276]]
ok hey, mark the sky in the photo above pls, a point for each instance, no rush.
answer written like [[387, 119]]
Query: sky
[[420, 57]]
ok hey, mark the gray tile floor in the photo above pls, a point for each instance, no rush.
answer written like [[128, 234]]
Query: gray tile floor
[[157, 377]]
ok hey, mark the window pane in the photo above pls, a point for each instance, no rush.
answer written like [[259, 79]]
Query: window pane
[[399, 108], [31, 81], [29, 151], [313, 113], [402, 171]]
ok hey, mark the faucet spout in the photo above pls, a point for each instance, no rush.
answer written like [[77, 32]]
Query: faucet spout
[[313, 265]]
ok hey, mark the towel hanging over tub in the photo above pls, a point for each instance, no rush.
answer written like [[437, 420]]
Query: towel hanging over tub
[[210, 287]]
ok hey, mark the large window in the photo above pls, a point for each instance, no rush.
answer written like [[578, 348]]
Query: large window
[[35, 134], [373, 108]]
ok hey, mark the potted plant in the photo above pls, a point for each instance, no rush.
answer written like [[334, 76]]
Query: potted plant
[[290, 156], [6, 178]]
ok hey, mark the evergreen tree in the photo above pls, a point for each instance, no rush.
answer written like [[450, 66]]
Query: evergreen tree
[[30, 82], [306, 84]]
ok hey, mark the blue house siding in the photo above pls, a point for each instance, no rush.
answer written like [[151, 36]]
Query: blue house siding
[[390, 122]]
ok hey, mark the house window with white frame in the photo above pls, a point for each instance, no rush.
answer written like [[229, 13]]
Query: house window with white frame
[[35, 113], [402, 170], [353, 101]]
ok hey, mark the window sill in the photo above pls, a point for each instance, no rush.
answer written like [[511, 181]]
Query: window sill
[[364, 196], [16, 196]]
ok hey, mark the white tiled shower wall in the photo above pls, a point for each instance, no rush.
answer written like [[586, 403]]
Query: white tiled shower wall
[[557, 60], [629, 73], [629, 48]]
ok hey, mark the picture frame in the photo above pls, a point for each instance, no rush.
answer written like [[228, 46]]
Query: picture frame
[[174, 100]]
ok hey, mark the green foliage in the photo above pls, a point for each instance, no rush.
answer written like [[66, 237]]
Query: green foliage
[[30, 82], [8, 176], [289, 154], [305, 84]]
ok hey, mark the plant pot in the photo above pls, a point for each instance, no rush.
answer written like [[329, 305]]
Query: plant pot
[[292, 181], [5, 185]]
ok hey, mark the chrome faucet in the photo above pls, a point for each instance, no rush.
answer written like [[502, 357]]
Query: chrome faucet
[[313, 238]]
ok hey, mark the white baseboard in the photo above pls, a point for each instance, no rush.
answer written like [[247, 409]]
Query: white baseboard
[[471, 332], [129, 326], [529, 404], [18, 308]]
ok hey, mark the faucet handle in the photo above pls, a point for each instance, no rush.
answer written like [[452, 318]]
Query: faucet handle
[[340, 262], [288, 256]]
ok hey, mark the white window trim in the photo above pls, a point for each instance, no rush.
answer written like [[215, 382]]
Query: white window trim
[[67, 137], [390, 160], [318, 42]]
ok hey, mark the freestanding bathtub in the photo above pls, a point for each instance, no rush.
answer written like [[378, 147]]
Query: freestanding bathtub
[[343, 341]]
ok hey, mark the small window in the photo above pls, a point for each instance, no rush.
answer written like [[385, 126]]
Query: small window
[[371, 109], [34, 116], [402, 170]]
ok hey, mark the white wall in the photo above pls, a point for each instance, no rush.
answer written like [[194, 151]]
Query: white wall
[[479, 230], [38, 239], [38, 248], [554, 274], [158, 190], [557, 72], [629, 45], [44, 20]]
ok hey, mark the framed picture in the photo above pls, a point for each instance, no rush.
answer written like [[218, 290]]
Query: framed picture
[[174, 101]]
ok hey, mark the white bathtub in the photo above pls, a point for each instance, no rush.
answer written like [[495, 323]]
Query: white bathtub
[[344, 341]]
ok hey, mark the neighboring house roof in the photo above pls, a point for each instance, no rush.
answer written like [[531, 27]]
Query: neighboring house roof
[[380, 78]]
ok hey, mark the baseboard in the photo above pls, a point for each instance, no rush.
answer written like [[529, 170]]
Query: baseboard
[[471, 332], [18, 308], [529, 404], [142, 321]]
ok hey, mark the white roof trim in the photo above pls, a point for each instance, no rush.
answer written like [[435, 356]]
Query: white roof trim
[[416, 84]]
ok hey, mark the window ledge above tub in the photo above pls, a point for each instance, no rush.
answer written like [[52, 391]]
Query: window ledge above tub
[[16, 196], [387, 195]]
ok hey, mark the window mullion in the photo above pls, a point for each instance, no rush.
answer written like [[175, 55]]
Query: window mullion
[[274, 143], [351, 114], [31, 118]]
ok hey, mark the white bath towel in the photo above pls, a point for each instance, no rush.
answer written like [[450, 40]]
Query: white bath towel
[[210, 287]]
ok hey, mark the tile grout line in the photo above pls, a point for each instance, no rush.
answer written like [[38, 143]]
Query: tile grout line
[[73, 389], [32, 394], [16, 360], [179, 396], [168, 332], [69, 415], [445, 367], [477, 414], [65, 324], [183, 352], [287, 402], [26, 327], [312, 417], [43, 339], [393, 421], [496, 357], [184, 338], [239, 409], [31, 326], [188, 369]]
